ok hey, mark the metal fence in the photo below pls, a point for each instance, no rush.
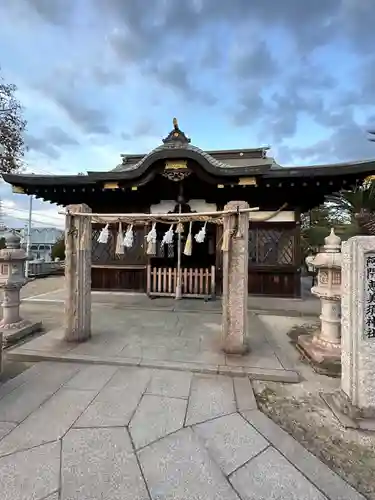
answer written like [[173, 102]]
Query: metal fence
[[39, 268]]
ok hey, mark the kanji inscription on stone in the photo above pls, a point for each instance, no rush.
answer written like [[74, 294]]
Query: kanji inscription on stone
[[370, 297]]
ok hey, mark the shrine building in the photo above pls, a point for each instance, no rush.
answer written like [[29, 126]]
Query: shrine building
[[179, 177]]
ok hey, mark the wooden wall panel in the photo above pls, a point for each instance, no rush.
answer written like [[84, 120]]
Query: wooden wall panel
[[131, 279]]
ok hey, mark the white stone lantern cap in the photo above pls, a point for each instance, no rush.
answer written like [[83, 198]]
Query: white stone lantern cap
[[331, 255], [332, 242]]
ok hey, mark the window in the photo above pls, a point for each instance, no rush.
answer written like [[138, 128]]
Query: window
[[271, 247]]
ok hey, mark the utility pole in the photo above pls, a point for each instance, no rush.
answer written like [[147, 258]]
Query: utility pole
[[28, 238], [2, 224]]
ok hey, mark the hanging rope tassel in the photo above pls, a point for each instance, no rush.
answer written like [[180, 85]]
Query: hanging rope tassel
[[120, 241], [104, 234], [129, 237], [180, 228], [188, 244], [200, 237], [225, 244], [168, 236], [151, 240]]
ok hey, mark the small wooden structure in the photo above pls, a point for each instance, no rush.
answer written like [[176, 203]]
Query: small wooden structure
[[195, 282], [177, 176]]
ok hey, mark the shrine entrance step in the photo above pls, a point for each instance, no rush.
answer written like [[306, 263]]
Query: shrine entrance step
[[195, 282]]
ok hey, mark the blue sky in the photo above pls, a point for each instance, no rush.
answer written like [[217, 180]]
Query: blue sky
[[98, 78]]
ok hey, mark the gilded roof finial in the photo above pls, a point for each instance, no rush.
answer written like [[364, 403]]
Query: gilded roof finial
[[175, 123]]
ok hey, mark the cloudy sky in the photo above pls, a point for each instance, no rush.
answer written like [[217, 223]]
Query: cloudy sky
[[102, 77]]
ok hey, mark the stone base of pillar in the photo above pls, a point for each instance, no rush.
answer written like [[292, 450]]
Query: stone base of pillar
[[325, 357], [350, 416], [233, 346], [16, 331]]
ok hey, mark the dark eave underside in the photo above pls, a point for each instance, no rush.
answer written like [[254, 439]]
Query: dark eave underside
[[269, 194]]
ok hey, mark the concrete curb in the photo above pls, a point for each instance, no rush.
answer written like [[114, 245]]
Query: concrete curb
[[286, 376]]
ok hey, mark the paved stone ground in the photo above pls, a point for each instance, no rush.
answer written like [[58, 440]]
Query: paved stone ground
[[70, 431], [42, 285], [160, 339], [51, 290]]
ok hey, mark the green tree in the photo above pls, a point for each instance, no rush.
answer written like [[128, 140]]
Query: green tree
[[357, 206], [316, 225], [58, 250], [12, 127]]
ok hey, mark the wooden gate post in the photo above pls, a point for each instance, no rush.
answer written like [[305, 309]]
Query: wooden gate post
[[235, 281], [77, 274]]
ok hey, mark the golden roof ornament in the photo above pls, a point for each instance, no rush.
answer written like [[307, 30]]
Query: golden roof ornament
[[176, 138]]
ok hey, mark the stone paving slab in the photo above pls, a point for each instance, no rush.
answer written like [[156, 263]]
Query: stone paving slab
[[270, 475], [116, 403], [36, 371], [231, 441], [245, 399], [162, 384], [179, 467], [100, 464], [27, 397], [5, 428], [92, 378], [54, 496], [49, 422], [156, 417], [31, 474], [121, 433], [210, 397]]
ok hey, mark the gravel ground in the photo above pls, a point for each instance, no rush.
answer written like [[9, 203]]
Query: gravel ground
[[300, 410]]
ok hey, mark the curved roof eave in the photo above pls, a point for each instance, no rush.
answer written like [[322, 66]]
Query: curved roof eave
[[332, 169], [33, 180], [215, 168], [211, 164]]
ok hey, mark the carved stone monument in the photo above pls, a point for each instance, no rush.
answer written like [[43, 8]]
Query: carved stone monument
[[12, 279], [235, 280], [354, 405], [323, 348]]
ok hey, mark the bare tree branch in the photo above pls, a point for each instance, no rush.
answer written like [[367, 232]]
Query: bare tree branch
[[12, 127]]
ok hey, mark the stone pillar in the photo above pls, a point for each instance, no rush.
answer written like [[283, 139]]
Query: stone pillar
[[12, 279], [324, 347], [235, 280], [1, 352], [77, 274], [354, 405]]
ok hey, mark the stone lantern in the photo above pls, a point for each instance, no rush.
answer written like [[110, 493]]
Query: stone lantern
[[12, 279], [324, 346]]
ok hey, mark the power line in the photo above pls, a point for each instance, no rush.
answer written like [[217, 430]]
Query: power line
[[25, 219], [41, 219], [27, 211]]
